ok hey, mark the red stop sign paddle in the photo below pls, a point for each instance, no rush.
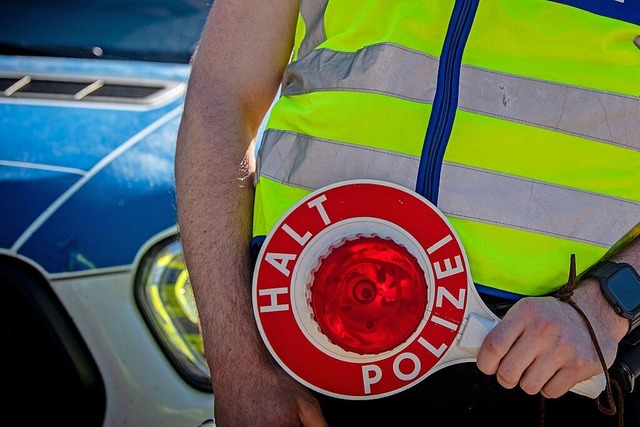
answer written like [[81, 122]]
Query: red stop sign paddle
[[362, 290]]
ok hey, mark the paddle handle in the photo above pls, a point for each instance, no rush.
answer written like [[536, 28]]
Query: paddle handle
[[476, 329]]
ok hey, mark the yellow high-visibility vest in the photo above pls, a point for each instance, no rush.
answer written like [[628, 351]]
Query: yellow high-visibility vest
[[519, 119]]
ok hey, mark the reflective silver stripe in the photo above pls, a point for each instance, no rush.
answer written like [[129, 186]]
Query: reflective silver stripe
[[411, 75], [611, 117], [466, 192], [381, 68], [475, 193], [312, 12], [310, 163]]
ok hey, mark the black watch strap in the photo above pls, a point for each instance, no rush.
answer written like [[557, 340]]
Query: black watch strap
[[620, 285]]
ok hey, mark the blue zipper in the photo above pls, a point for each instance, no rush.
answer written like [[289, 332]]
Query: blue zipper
[[445, 104], [446, 99]]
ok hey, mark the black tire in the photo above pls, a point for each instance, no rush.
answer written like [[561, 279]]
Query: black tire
[[49, 374]]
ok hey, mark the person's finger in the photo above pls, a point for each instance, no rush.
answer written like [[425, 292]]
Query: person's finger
[[498, 342], [559, 384], [311, 415], [570, 367], [517, 361]]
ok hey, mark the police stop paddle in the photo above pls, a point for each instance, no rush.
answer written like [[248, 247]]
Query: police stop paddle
[[363, 289]]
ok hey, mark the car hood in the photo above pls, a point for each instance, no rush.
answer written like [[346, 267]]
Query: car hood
[[86, 175]]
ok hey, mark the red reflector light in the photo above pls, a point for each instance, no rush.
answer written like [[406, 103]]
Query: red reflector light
[[368, 295]]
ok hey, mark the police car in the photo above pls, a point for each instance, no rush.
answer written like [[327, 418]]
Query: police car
[[100, 327]]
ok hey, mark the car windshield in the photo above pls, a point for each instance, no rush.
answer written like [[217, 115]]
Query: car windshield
[[148, 30]]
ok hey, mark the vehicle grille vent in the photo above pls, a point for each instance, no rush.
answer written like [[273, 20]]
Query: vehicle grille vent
[[89, 90]]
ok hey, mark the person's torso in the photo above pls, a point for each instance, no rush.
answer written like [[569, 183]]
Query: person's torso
[[519, 120]]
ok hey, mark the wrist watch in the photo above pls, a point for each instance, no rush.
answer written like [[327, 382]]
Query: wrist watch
[[620, 285]]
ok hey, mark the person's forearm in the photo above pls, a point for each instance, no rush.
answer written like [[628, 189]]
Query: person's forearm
[[230, 88], [590, 298], [214, 206]]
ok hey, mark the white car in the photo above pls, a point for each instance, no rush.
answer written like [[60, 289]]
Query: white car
[[100, 325]]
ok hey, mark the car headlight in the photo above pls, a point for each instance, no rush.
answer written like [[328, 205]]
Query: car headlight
[[164, 294]]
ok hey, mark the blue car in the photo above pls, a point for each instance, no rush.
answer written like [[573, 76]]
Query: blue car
[[100, 327]]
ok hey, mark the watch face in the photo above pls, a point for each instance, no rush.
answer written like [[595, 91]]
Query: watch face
[[623, 285]]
